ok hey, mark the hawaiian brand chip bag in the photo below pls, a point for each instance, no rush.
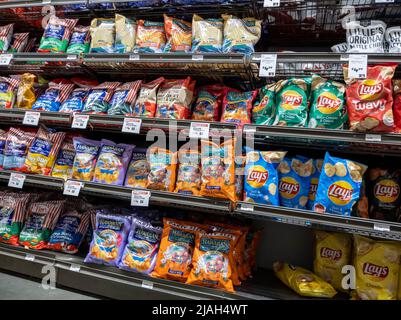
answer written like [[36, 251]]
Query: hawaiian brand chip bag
[[143, 242], [294, 182], [208, 103], [80, 40], [6, 33], [393, 38], [339, 186], [125, 34], [123, 98], [99, 98], [57, 34], [112, 162], [365, 39], [8, 90], [261, 177], [54, 96], [377, 265], [174, 260], [163, 166], [103, 33], [179, 34], [138, 169], [327, 104], [292, 103], [207, 34], [86, 152], [237, 107], [109, 239], [314, 182], [332, 252], [264, 109], [218, 169], [65, 160], [369, 101], [189, 172], [16, 148], [150, 37], [145, 104]]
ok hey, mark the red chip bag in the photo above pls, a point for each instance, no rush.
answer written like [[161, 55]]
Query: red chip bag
[[370, 101], [397, 106], [237, 107], [208, 103]]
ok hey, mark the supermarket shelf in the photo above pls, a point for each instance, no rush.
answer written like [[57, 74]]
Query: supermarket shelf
[[304, 218], [35, 180], [35, 3], [16, 116]]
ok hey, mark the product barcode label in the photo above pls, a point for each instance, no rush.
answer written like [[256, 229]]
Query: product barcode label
[[147, 284], [381, 227], [373, 137], [72, 188], [358, 65], [75, 268], [197, 57], [246, 207], [271, 3], [16, 180], [199, 130], [5, 59], [31, 118], [140, 198], [132, 125], [80, 121], [268, 64], [30, 257]]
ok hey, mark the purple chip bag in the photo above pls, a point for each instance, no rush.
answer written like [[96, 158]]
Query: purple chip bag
[[109, 239], [141, 250]]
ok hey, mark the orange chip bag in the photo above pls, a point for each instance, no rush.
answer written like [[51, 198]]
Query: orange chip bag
[[218, 170], [188, 178], [174, 260], [163, 165]]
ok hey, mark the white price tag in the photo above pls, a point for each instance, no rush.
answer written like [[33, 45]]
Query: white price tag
[[31, 118], [199, 130], [80, 121], [16, 180], [72, 188], [5, 59], [358, 65], [381, 227], [197, 57], [72, 57], [373, 137], [75, 268], [268, 63], [147, 284], [134, 57], [46, 2], [271, 3], [132, 125], [140, 198], [384, 1], [246, 207], [30, 257]]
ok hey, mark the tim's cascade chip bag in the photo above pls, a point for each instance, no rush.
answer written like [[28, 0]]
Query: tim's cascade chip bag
[[146, 102], [292, 103], [397, 105], [54, 96], [212, 261], [163, 167], [377, 265], [86, 152], [150, 37], [237, 107], [174, 260], [64, 162], [99, 97], [327, 104], [218, 170], [314, 182], [207, 34], [16, 148], [370, 101], [264, 109], [8, 90], [189, 172], [294, 182], [138, 169], [57, 34], [261, 177], [208, 103], [339, 186], [333, 251], [384, 194], [123, 98], [179, 35], [302, 281]]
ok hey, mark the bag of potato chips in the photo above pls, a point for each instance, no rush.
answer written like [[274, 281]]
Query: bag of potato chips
[[179, 35], [65, 160], [163, 166], [207, 34], [150, 37], [189, 172], [86, 152], [332, 253], [314, 182], [138, 169], [377, 265], [264, 109]]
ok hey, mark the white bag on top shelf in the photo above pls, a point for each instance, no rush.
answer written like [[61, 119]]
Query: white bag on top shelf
[[369, 39], [393, 38]]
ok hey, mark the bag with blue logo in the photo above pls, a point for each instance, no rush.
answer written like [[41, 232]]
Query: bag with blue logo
[[99, 97], [54, 96], [8, 90], [57, 34], [80, 40], [339, 186], [122, 102]]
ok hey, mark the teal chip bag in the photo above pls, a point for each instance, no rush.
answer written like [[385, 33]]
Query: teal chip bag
[[264, 109], [328, 107], [57, 35], [80, 40], [294, 182]]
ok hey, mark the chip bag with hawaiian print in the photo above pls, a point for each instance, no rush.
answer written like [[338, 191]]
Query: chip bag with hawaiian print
[[189, 172], [237, 107], [138, 169], [86, 152], [163, 167]]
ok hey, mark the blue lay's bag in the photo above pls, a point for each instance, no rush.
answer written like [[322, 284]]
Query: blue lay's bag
[[294, 182], [261, 177], [339, 186], [316, 171]]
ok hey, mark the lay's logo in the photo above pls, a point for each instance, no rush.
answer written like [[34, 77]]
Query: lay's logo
[[340, 193], [291, 100], [328, 103], [288, 187], [330, 253], [257, 176], [386, 191], [370, 89], [375, 270]]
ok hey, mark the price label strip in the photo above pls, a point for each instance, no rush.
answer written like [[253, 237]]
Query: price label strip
[[80, 121], [72, 188], [5, 59], [358, 66], [134, 57], [271, 3], [199, 130], [16, 180], [75, 268], [140, 198], [268, 64], [30, 257], [384, 1], [197, 57], [373, 137], [381, 227], [31, 118], [147, 284], [132, 125]]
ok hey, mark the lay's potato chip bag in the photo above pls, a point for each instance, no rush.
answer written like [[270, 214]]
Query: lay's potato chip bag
[[189, 172], [163, 166], [316, 170], [264, 109]]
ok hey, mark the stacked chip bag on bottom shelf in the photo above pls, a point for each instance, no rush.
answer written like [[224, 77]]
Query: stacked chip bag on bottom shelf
[[314, 182], [339, 186]]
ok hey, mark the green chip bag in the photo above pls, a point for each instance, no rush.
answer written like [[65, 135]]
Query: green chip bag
[[327, 110], [80, 40], [263, 111], [57, 34], [292, 102]]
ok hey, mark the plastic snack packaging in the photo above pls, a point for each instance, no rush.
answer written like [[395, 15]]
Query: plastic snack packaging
[[251, 245], [340, 48], [240, 162], [3, 139], [86, 152], [8, 90], [64, 162], [174, 260], [57, 35], [103, 33], [397, 105], [18, 42], [264, 108], [145, 104], [140, 253], [150, 37], [333, 251], [212, 261], [292, 102], [125, 34], [138, 170], [218, 170], [377, 265], [80, 40], [30, 45], [261, 176], [16, 148], [316, 171], [112, 162], [369, 101], [123, 98], [207, 34], [302, 281], [241, 35], [69, 232], [174, 99], [99, 97], [109, 239], [189, 172], [6, 33], [40, 222], [25, 93], [75, 101], [163, 167], [327, 109], [393, 39], [384, 194], [237, 107], [13, 207], [54, 96], [339, 186], [208, 103], [179, 35], [366, 39], [43, 152]]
